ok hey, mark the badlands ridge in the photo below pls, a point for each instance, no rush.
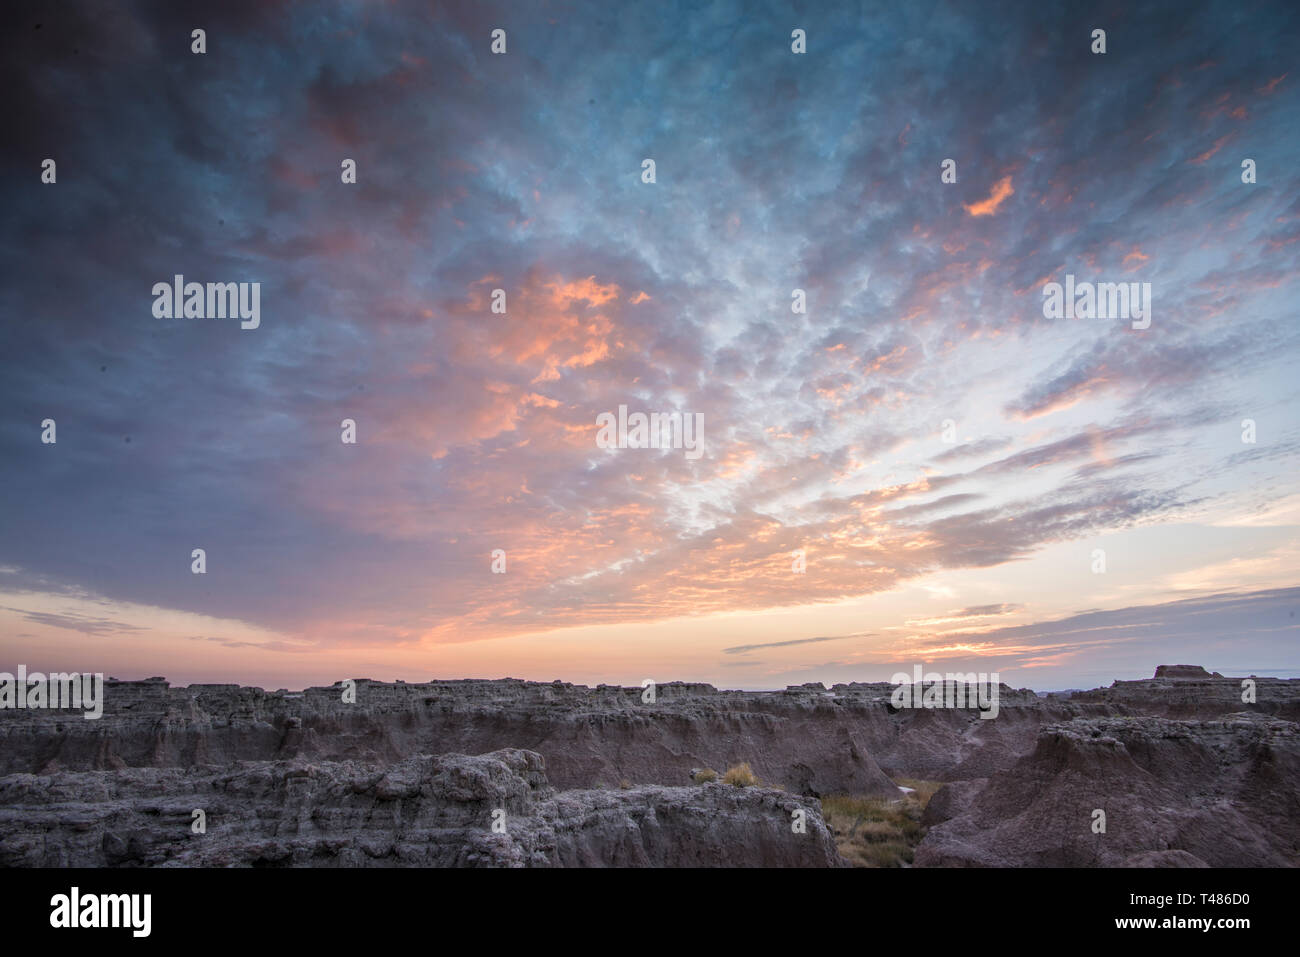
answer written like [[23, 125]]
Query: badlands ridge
[[517, 773]]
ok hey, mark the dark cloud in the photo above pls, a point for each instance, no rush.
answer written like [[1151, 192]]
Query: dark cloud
[[521, 172], [745, 649], [86, 624], [983, 611]]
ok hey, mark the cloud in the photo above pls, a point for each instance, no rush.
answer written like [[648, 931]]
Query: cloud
[[476, 429], [965, 614], [86, 624], [745, 649], [980, 447], [987, 207]]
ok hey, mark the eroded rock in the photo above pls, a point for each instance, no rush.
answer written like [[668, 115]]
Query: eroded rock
[[451, 810]]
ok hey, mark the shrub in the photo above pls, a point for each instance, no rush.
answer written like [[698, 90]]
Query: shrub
[[740, 776]]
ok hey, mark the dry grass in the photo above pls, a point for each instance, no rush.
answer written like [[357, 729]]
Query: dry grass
[[879, 832], [924, 789], [740, 776]]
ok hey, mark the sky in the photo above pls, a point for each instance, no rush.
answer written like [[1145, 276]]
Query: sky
[[921, 467]]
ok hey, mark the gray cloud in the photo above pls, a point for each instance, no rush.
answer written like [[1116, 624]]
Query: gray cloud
[[744, 649]]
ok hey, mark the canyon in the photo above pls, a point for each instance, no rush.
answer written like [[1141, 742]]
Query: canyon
[[516, 773]]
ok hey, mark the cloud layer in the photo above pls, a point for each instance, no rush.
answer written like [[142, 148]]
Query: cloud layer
[[921, 417]]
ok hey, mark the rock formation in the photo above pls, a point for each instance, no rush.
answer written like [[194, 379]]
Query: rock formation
[[601, 776], [1173, 793], [493, 810]]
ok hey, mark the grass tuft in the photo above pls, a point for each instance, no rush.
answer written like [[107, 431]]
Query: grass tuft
[[879, 832], [740, 776]]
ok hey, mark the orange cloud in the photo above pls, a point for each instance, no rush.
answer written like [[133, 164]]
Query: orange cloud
[[588, 289], [1218, 145], [987, 207], [1271, 85]]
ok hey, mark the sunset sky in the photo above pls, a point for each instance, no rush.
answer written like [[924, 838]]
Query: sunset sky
[[823, 432]]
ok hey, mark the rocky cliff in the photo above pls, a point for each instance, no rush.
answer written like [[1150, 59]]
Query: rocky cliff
[[1131, 792], [494, 810], [623, 764]]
